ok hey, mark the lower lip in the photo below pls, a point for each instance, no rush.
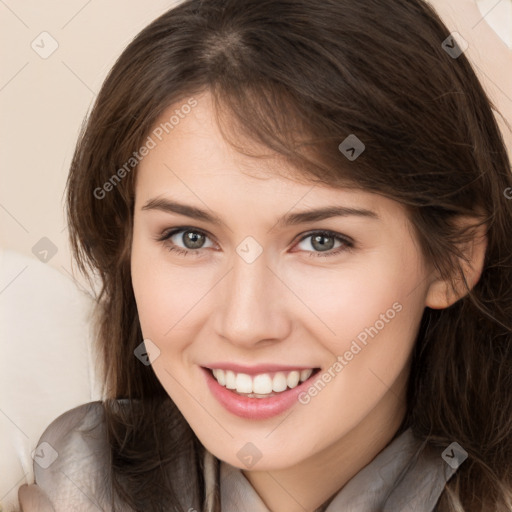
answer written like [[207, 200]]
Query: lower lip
[[254, 408]]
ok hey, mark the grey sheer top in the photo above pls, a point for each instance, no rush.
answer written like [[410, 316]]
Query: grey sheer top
[[72, 472]]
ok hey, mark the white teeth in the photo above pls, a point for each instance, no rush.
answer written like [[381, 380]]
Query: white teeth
[[243, 383], [230, 379], [279, 382], [261, 384], [220, 376], [305, 374], [293, 379]]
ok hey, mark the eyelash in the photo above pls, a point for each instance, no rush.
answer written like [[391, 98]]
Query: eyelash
[[348, 244]]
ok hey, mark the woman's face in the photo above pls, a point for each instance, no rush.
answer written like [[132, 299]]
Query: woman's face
[[261, 287]]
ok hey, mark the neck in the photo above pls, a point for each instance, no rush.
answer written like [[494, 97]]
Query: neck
[[307, 486]]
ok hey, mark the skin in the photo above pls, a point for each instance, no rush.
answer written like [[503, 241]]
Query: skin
[[33, 499], [284, 307]]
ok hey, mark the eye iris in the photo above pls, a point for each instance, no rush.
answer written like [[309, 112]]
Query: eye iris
[[323, 246], [195, 240], [193, 237]]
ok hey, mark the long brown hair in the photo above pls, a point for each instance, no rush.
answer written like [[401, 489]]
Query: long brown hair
[[299, 76]]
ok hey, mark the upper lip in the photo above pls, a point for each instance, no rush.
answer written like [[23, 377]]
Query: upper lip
[[254, 370]]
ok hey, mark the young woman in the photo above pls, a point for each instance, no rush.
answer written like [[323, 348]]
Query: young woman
[[300, 215]]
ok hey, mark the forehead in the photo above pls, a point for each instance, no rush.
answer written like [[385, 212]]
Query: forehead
[[192, 159]]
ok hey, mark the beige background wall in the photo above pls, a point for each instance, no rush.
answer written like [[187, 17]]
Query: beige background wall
[[43, 100]]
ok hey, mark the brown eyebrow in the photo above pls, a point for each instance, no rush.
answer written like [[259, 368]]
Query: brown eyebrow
[[288, 219]]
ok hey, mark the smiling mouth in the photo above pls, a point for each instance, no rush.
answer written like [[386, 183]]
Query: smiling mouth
[[263, 385]]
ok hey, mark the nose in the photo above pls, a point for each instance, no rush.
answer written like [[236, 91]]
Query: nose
[[252, 304]]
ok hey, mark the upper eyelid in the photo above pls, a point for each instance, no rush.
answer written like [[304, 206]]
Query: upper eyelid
[[166, 234]]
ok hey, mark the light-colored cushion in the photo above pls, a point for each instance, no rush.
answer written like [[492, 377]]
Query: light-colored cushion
[[46, 364]]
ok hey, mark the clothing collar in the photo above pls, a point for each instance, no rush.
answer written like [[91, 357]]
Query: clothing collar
[[407, 475]]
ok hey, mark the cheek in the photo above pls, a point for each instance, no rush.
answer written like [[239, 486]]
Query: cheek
[[379, 304], [168, 296], [370, 352], [153, 294], [349, 298]]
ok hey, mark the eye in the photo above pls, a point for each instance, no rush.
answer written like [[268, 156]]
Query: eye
[[323, 242], [192, 238]]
